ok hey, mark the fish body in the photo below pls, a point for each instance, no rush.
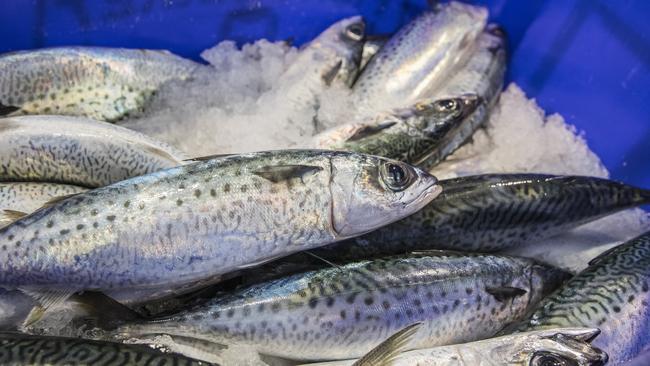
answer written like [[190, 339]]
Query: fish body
[[30, 196], [493, 212], [101, 83], [406, 134], [343, 312], [150, 236], [482, 75], [612, 294], [26, 350], [419, 57], [78, 151], [561, 346]]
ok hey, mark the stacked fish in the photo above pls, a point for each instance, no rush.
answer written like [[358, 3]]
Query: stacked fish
[[349, 253]]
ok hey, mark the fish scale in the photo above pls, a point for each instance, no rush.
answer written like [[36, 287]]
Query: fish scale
[[162, 233], [494, 212], [20, 349], [96, 82], [350, 309], [612, 294]]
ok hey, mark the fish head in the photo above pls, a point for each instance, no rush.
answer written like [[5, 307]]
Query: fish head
[[342, 43], [437, 116], [545, 279], [553, 347], [370, 192]]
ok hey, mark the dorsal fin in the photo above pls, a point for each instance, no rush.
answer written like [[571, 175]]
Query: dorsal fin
[[369, 130], [280, 173], [384, 354], [208, 157], [9, 216], [6, 110], [54, 200], [504, 293]]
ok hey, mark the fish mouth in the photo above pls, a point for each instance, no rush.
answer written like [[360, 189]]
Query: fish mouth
[[427, 195], [470, 103]]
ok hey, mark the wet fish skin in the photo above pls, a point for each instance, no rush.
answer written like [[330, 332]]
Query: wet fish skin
[[153, 235], [101, 83], [371, 46], [612, 294], [482, 75], [27, 350], [77, 151], [492, 212], [349, 310], [406, 134], [30, 196], [419, 57], [564, 346]]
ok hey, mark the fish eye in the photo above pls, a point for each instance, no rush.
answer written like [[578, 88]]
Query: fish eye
[[355, 31], [396, 177], [549, 359], [448, 105]]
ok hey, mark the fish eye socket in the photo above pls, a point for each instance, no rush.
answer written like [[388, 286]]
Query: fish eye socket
[[396, 177], [355, 31], [549, 359], [448, 105]]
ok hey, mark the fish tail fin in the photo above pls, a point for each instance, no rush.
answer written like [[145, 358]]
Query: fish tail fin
[[644, 196], [385, 352]]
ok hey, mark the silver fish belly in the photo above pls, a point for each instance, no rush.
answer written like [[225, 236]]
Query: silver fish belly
[[78, 151], [191, 223], [339, 313], [612, 294], [100, 83], [418, 57]]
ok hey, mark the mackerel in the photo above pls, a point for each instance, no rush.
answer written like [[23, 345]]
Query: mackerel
[[101, 83], [612, 294], [78, 151], [343, 312], [168, 232], [560, 346]]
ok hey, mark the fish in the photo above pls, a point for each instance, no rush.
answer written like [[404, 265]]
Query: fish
[[35, 350], [491, 212], [405, 134], [78, 151], [95, 82], [30, 196], [612, 293], [482, 75], [330, 60], [178, 229], [371, 46], [559, 346], [343, 312], [420, 56]]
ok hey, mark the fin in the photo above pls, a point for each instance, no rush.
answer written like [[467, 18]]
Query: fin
[[105, 308], [6, 110], [279, 173], [159, 152], [384, 354], [9, 216], [46, 299], [368, 130], [208, 157], [54, 200], [323, 259], [330, 75], [505, 293], [602, 255]]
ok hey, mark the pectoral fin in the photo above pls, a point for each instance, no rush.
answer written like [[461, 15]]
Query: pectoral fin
[[46, 300], [280, 173], [505, 293], [369, 130], [384, 354], [9, 216]]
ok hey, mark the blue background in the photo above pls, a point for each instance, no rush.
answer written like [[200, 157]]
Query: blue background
[[586, 59]]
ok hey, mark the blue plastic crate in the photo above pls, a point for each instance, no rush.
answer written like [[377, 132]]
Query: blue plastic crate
[[588, 60]]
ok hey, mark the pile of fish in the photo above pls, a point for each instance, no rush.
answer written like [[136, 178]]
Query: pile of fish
[[345, 252]]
